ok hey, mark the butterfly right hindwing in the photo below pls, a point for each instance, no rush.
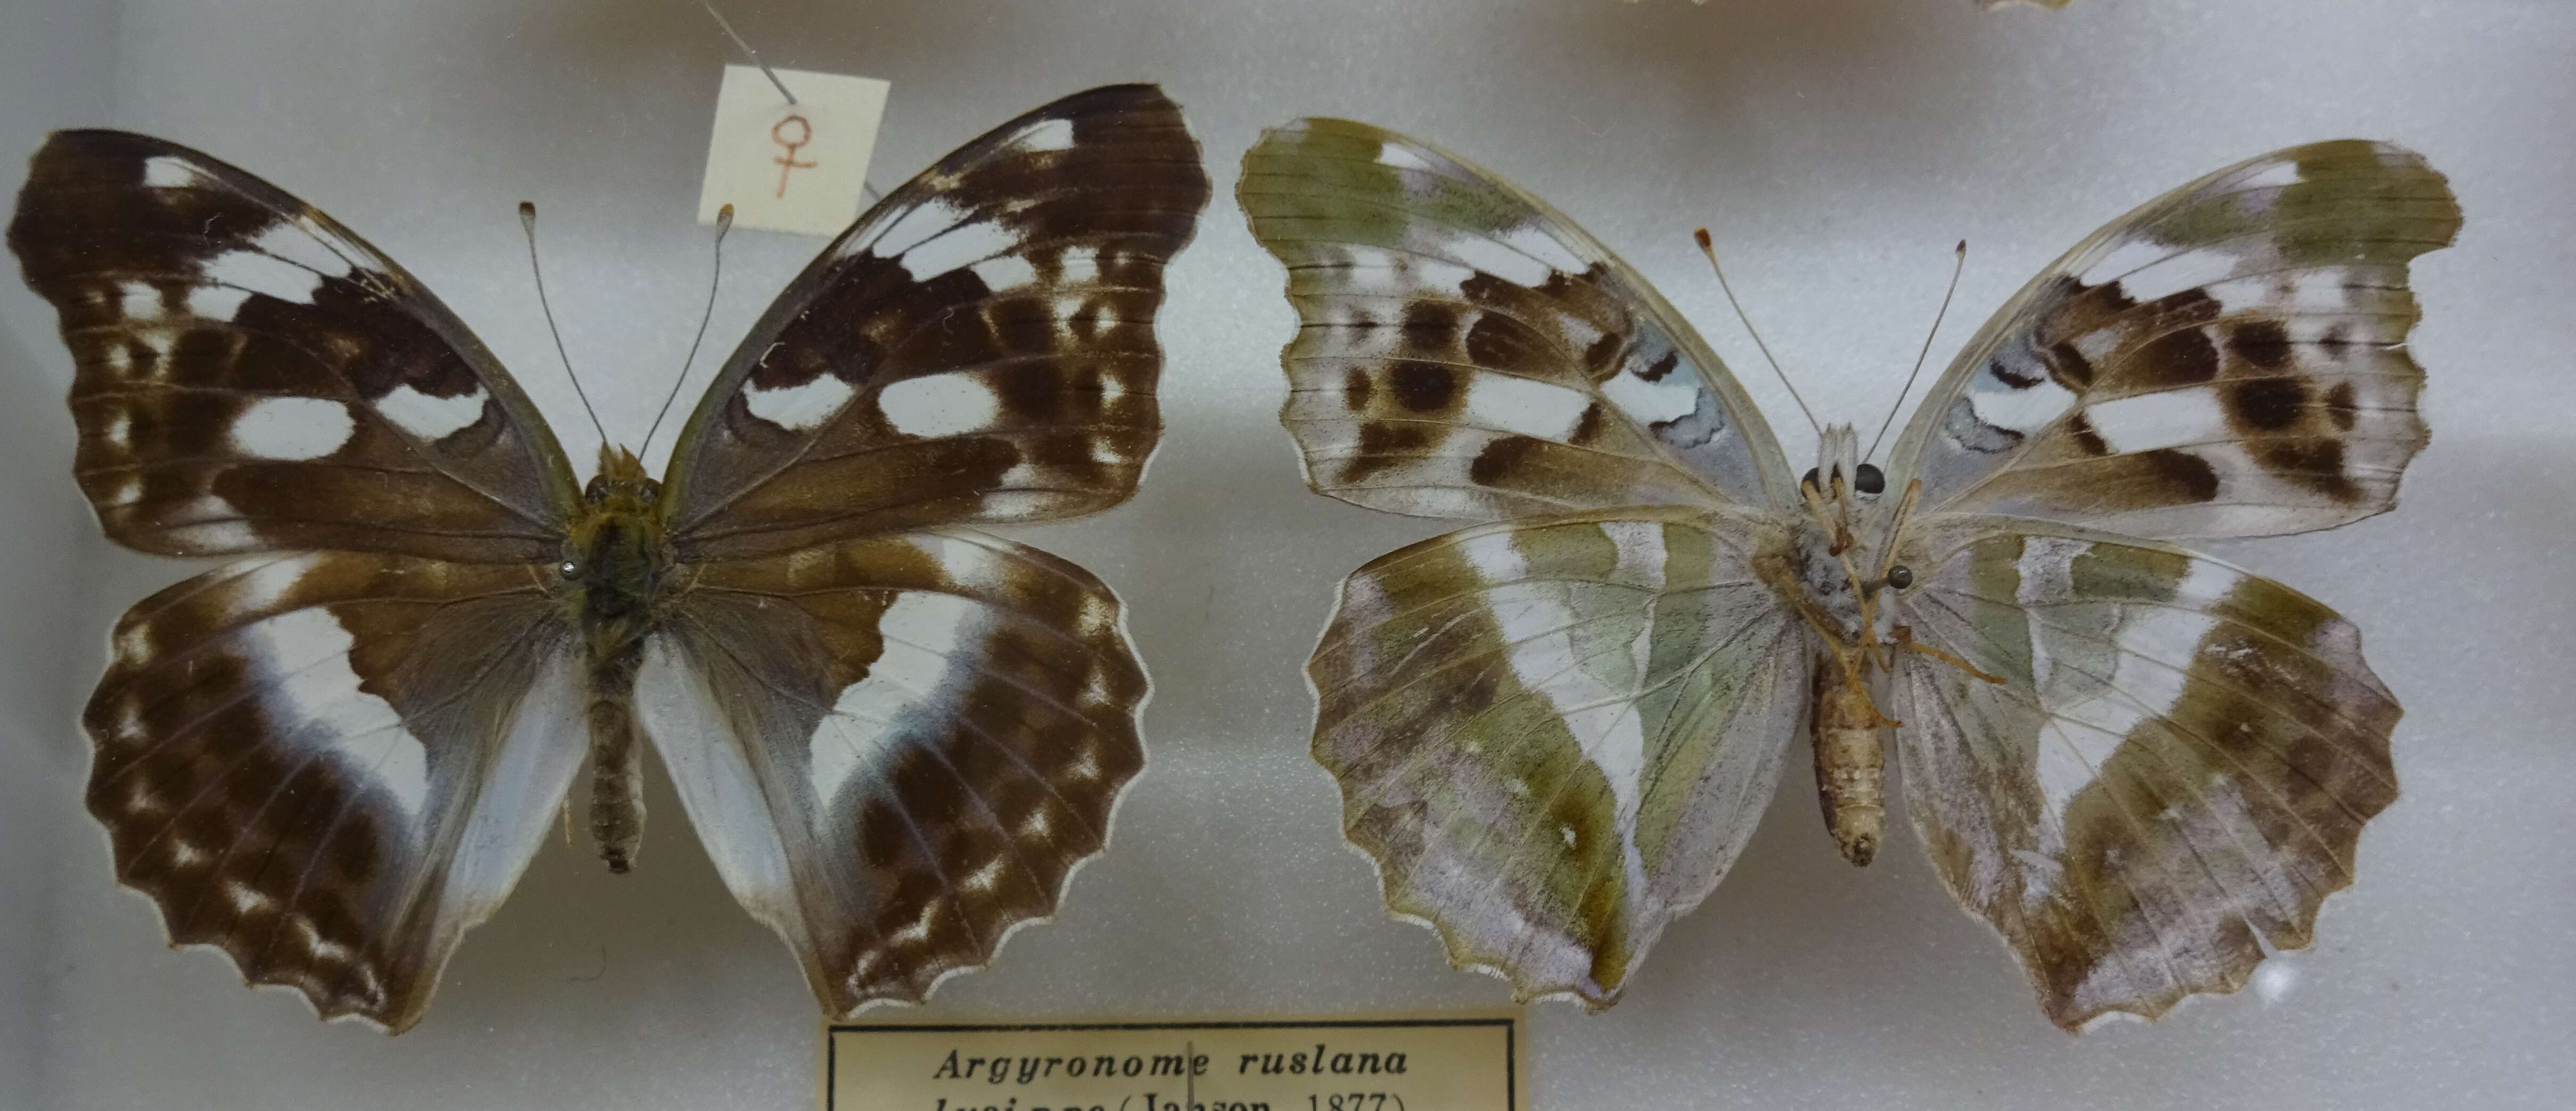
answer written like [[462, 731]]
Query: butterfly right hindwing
[[1554, 735]]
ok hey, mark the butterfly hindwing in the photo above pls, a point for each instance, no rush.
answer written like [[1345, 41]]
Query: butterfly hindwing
[[896, 748], [2228, 360], [2171, 777], [1466, 351], [328, 765], [979, 347], [1554, 735], [253, 376]]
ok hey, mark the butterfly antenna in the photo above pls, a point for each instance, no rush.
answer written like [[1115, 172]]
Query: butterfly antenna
[[1955, 270], [528, 223], [724, 223], [1704, 248]]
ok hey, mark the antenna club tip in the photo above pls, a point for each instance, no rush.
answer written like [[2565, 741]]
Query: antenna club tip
[[1963, 247], [1701, 236], [724, 216], [527, 212]]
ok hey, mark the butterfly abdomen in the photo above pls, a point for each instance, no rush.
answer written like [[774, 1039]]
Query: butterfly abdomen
[[1851, 766]]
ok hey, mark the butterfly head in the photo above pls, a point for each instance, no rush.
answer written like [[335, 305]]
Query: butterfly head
[[1839, 474]]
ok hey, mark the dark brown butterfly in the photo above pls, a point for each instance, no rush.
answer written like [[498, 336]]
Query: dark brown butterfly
[[895, 736]]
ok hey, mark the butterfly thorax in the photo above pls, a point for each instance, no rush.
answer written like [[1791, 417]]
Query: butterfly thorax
[[616, 556], [617, 559]]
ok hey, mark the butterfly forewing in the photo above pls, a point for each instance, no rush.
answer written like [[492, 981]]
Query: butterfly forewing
[[979, 347], [2171, 776], [2228, 360], [329, 765], [1554, 735], [252, 376], [1465, 351], [896, 748]]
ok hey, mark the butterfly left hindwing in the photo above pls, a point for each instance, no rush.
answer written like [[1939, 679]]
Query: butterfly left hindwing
[[953, 717], [2142, 767]]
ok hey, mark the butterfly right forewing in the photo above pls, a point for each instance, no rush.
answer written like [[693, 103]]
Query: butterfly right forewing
[[253, 376], [1466, 351]]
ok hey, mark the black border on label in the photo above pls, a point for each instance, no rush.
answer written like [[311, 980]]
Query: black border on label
[[833, 1031]]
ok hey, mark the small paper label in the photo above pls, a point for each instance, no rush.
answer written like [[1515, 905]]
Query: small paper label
[[800, 167], [1469, 1062]]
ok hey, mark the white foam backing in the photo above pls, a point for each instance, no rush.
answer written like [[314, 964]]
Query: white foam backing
[[1835, 148]]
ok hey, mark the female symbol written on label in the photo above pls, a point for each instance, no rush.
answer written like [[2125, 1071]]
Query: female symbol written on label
[[787, 163]]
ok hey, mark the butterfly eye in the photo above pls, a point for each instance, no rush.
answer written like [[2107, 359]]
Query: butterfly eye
[[1869, 479], [1810, 480], [1900, 576], [568, 568]]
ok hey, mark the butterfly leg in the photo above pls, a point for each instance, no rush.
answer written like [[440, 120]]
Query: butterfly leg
[[1905, 640]]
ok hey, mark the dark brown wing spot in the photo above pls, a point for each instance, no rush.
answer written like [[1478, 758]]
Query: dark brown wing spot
[[2187, 472], [2080, 427], [2316, 464], [2266, 404], [2011, 378], [1356, 389], [1384, 444], [1502, 457], [1602, 357], [2339, 406], [1589, 426], [1491, 341], [2069, 366], [1423, 387], [2184, 358], [2263, 343]]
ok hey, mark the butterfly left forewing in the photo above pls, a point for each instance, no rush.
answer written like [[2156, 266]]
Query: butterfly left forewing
[[896, 748], [2227, 360], [978, 347], [2171, 776], [329, 765]]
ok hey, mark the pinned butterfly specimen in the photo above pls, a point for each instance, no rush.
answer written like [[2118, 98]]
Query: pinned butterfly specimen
[[895, 735], [1555, 728]]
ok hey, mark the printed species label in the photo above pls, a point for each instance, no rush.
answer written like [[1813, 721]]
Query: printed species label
[[800, 167], [1454, 1062]]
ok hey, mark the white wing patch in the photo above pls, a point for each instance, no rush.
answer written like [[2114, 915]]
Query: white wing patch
[[428, 417], [799, 407], [1524, 406], [166, 172], [315, 697], [2168, 418], [960, 246], [293, 428], [1048, 135], [938, 405]]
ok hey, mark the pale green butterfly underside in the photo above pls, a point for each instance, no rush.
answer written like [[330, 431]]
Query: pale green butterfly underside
[[1555, 728]]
